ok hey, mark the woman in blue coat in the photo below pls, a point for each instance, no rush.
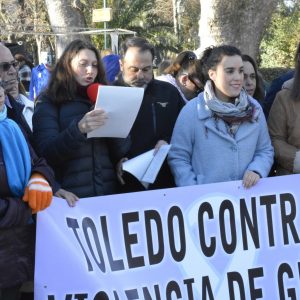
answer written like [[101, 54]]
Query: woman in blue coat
[[222, 134]]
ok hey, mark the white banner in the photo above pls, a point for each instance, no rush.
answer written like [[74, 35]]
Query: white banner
[[214, 241]]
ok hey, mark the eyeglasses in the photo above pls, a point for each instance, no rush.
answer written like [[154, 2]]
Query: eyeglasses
[[5, 66], [197, 85]]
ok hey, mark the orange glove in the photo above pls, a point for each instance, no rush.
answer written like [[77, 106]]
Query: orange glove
[[38, 193]]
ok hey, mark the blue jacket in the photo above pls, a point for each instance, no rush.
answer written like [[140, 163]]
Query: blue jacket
[[203, 151], [39, 80]]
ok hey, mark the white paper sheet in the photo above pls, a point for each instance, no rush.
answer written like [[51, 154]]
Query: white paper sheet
[[121, 105], [146, 166]]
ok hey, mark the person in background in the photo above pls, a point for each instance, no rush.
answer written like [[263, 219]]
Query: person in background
[[40, 76], [160, 107], [273, 89], [162, 66], [64, 115], [112, 66], [26, 185], [284, 124], [253, 83], [222, 134], [185, 74], [25, 67], [16, 101]]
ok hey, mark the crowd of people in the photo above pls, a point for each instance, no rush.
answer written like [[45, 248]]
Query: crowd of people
[[213, 110]]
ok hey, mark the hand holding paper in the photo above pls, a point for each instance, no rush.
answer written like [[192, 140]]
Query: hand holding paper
[[121, 105], [92, 120], [146, 166]]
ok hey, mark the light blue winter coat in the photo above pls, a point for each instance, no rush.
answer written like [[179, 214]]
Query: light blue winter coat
[[204, 152]]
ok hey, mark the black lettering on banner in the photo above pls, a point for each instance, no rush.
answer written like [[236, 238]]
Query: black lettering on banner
[[173, 286], [80, 296], [189, 287], [288, 219], [88, 224], [130, 239], [73, 224], [285, 268], [147, 295], [249, 222], [179, 255], [268, 201], [208, 250], [101, 296], [206, 289], [68, 297], [154, 258], [132, 294], [235, 277], [115, 265], [226, 205], [252, 274]]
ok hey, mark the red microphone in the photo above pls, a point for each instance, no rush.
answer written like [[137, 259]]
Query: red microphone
[[92, 92]]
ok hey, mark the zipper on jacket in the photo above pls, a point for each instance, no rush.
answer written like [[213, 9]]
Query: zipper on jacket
[[154, 117]]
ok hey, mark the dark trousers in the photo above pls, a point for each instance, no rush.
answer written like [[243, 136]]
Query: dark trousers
[[11, 293]]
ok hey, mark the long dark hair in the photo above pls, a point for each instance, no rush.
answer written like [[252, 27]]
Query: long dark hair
[[295, 92], [63, 85], [259, 93]]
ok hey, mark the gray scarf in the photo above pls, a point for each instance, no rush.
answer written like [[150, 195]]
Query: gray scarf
[[240, 111]]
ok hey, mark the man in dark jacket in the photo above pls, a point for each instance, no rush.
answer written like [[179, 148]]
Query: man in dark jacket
[[158, 112]]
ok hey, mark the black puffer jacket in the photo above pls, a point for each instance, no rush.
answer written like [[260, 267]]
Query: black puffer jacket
[[82, 166]]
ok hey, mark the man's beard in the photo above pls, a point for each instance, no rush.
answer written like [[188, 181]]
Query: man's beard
[[140, 83]]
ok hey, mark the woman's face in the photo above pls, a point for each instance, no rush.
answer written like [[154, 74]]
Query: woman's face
[[85, 67], [249, 78], [2, 98], [228, 77]]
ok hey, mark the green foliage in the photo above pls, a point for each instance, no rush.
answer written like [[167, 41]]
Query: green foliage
[[279, 44], [154, 20]]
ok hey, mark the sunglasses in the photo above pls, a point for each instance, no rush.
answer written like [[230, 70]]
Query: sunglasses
[[6, 65], [197, 85]]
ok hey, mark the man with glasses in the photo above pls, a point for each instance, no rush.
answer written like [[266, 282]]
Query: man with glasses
[[159, 110], [16, 102]]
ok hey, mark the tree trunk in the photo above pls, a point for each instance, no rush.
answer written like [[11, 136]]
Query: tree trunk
[[241, 23], [64, 17]]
